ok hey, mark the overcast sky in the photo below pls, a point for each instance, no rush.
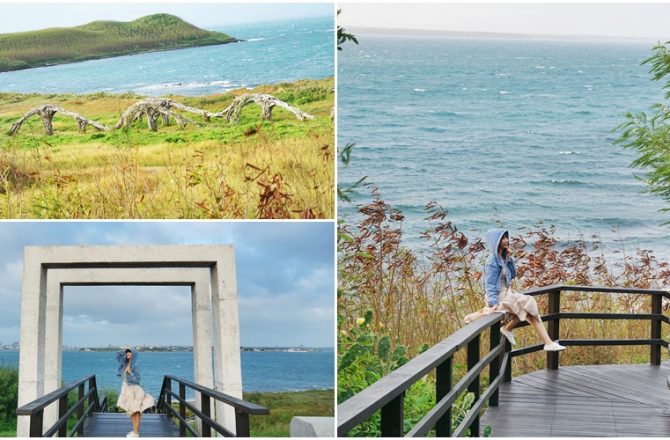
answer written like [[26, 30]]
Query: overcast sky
[[18, 17], [649, 21], [285, 277]]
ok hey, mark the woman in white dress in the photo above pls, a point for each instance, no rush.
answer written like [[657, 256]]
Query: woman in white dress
[[499, 273], [132, 398]]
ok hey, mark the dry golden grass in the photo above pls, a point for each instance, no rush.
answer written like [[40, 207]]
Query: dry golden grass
[[255, 169], [419, 302]]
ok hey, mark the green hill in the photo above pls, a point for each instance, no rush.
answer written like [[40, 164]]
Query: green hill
[[102, 39]]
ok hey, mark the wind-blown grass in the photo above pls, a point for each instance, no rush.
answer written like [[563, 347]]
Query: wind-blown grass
[[282, 168], [418, 302]]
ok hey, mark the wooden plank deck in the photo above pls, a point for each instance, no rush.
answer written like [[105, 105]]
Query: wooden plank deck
[[118, 425], [584, 401]]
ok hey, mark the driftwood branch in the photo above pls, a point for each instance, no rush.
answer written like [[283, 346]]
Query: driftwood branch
[[266, 102], [47, 112], [152, 108]]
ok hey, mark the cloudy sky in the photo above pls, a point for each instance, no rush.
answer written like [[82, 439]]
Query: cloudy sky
[[18, 17], [641, 20], [285, 277]]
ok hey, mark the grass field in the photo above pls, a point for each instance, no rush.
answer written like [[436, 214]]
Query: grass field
[[282, 168], [7, 429], [101, 39], [284, 406]]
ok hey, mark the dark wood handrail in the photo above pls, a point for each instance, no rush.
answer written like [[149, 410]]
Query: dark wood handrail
[[243, 405], [555, 315], [35, 409], [38, 404], [603, 289], [242, 408], [387, 391]]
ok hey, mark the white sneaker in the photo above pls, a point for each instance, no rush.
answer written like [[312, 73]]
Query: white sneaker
[[509, 335], [554, 346], [132, 434]]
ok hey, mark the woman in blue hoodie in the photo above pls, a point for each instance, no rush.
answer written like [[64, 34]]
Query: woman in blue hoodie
[[132, 398], [498, 275]]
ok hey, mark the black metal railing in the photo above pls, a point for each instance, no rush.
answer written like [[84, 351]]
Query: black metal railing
[[242, 409], [35, 409], [387, 393], [555, 315]]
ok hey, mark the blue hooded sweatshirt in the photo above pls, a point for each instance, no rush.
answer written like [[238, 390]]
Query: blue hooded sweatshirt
[[494, 264], [134, 378]]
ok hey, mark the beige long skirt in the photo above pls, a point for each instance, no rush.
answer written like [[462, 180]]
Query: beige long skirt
[[518, 304], [510, 302], [133, 399]]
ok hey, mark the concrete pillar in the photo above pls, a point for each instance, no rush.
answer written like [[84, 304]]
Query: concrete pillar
[[201, 310], [53, 344], [227, 362], [31, 336]]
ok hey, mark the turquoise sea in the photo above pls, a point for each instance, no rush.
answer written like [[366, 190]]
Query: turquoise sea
[[273, 52], [261, 371], [516, 131]]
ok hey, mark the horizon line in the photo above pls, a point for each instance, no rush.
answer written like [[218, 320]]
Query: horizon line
[[503, 35]]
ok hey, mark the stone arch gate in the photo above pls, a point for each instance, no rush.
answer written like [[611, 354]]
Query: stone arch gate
[[208, 269]]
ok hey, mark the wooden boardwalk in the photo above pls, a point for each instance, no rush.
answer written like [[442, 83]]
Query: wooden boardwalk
[[584, 401], [118, 425]]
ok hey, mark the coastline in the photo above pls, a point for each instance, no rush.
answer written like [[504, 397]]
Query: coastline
[[119, 54]]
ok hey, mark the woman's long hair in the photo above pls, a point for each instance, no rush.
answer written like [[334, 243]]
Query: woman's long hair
[[504, 251]]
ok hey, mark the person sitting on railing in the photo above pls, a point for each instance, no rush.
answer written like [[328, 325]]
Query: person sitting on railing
[[499, 272], [132, 398], [498, 275]]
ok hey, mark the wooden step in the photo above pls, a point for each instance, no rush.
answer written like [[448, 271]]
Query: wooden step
[[118, 425]]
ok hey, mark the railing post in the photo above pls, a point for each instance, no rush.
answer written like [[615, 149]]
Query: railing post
[[242, 423], [443, 375], [473, 358], [62, 409], [182, 409], [494, 369], [655, 349], [204, 405], [168, 392], [91, 397], [393, 417], [554, 327], [80, 411], [508, 365], [36, 423]]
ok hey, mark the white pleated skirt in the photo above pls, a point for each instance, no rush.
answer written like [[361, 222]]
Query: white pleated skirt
[[133, 399]]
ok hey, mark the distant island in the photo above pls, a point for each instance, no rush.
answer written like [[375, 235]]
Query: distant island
[[102, 39]]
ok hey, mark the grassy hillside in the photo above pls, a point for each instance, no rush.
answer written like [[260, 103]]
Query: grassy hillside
[[101, 39], [282, 168]]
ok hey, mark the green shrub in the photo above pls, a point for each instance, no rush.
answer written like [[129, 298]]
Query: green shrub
[[365, 356], [9, 397]]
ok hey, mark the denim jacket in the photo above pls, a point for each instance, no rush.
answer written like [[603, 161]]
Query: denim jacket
[[134, 377], [494, 267]]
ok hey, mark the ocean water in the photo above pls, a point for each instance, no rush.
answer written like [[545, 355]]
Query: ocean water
[[273, 52], [514, 131], [261, 371]]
